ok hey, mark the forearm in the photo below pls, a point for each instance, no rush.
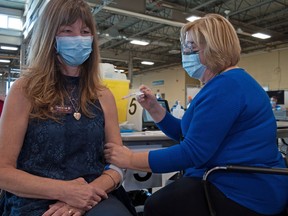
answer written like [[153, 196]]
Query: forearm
[[157, 112], [139, 161], [171, 126], [24, 184], [108, 181]]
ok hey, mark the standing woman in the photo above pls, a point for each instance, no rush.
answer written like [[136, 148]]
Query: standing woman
[[230, 121], [56, 119]]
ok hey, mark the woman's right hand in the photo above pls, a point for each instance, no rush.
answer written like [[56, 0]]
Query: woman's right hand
[[82, 195], [147, 100]]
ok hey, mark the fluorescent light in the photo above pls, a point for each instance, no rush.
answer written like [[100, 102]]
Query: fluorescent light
[[192, 18], [4, 61], [119, 70], [139, 42], [9, 48], [261, 35], [147, 63]]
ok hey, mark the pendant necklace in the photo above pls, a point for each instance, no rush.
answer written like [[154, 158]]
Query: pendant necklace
[[76, 114]]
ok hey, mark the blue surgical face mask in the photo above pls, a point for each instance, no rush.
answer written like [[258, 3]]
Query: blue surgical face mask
[[74, 50], [192, 65]]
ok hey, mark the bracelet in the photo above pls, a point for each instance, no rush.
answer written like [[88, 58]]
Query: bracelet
[[121, 172], [115, 185]]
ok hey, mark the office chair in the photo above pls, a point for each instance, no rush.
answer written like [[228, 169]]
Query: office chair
[[236, 168]]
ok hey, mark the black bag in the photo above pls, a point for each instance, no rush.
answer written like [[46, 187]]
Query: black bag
[[122, 195], [2, 193]]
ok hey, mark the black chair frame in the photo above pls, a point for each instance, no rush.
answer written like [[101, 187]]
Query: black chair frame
[[236, 168]]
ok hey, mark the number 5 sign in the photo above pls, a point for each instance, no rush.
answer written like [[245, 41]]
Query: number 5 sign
[[134, 114]]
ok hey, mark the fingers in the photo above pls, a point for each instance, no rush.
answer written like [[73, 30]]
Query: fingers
[[92, 204], [73, 212], [144, 88], [54, 208], [107, 151], [78, 214], [110, 149], [101, 193], [141, 97], [62, 209], [81, 180]]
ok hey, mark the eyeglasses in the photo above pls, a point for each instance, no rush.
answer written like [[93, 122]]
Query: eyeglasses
[[187, 48]]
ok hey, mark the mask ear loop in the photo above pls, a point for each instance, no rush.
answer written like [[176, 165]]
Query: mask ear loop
[[57, 54], [55, 46]]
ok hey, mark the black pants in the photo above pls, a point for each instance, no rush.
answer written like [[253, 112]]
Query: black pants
[[109, 207], [186, 196]]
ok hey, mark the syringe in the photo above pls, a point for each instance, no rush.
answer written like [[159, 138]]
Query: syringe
[[133, 94]]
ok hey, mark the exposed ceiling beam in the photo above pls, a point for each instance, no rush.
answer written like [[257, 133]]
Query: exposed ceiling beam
[[144, 17]]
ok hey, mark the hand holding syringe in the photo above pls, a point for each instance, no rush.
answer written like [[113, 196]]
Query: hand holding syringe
[[133, 94]]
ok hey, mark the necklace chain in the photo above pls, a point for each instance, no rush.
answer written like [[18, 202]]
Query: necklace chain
[[76, 106]]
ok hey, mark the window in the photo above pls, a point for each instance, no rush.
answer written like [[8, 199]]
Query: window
[[3, 21], [14, 23], [10, 22]]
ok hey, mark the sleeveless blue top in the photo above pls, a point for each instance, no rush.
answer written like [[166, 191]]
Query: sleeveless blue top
[[62, 150]]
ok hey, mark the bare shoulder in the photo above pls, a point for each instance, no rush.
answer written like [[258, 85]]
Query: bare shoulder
[[18, 85], [106, 97], [16, 94]]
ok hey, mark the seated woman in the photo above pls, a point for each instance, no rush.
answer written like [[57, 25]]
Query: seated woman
[[230, 121]]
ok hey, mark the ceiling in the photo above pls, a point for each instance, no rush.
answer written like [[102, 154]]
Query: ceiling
[[159, 22]]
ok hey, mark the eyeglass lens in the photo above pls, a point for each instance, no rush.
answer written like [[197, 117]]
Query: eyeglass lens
[[187, 48]]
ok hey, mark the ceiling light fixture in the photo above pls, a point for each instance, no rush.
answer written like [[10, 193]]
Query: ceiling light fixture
[[119, 70], [147, 63], [4, 61], [192, 18], [139, 42], [261, 35], [9, 48]]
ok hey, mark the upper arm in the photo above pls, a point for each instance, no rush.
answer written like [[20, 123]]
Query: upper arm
[[13, 124], [112, 130]]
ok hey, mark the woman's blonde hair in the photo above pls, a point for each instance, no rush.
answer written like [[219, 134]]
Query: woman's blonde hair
[[218, 38], [44, 81]]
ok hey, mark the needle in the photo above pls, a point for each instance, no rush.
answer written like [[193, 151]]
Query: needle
[[133, 94]]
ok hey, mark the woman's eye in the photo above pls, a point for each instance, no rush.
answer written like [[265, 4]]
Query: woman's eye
[[66, 30], [86, 31]]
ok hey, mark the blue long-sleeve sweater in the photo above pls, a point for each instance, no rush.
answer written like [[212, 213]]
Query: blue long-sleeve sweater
[[230, 121]]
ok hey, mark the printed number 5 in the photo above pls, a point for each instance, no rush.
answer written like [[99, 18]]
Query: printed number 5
[[132, 107]]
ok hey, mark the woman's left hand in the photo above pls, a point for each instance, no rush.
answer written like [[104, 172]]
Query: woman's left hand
[[62, 209], [118, 155]]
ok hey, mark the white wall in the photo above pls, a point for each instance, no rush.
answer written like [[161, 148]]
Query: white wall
[[269, 69]]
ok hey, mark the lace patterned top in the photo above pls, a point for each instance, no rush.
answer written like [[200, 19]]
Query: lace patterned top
[[66, 151]]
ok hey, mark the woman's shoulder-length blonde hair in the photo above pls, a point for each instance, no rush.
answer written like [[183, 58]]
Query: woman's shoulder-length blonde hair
[[44, 82], [217, 37]]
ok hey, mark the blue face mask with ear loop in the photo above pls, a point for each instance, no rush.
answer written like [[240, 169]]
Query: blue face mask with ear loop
[[74, 50], [191, 61], [192, 65]]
